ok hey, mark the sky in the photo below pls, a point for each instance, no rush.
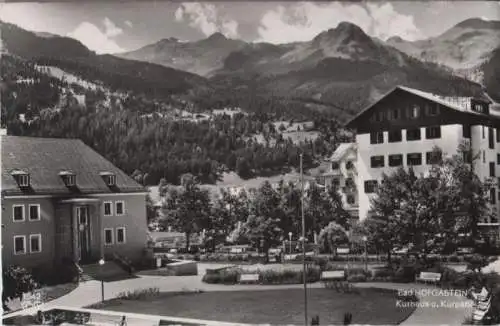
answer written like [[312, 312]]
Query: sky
[[113, 26]]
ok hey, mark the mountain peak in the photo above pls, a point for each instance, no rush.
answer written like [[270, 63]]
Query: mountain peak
[[479, 23], [170, 40], [217, 36], [345, 32], [395, 39]]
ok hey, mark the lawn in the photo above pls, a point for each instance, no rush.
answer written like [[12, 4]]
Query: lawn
[[367, 306]]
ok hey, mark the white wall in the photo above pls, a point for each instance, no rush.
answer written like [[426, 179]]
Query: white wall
[[451, 137]]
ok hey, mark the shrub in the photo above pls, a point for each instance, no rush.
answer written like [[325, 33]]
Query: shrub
[[16, 281], [356, 278], [139, 294], [226, 276], [405, 274], [289, 276], [383, 272]]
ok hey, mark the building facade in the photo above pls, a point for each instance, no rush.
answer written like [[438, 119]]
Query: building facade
[[342, 174], [404, 126], [62, 200]]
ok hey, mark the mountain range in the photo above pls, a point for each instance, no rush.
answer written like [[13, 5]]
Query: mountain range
[[341, 69], [334, 58]]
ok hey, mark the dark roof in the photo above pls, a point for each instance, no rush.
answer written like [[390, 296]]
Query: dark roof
[[454, 103], [45, 158]]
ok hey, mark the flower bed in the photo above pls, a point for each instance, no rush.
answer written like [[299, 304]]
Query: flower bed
[[286, 276]]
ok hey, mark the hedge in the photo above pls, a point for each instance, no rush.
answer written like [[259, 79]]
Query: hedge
[[231, 276]]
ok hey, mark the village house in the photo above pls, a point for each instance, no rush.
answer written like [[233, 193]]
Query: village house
[[62, 200]]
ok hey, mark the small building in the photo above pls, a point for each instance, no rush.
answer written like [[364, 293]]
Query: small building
[[341, 174], [62, 200]]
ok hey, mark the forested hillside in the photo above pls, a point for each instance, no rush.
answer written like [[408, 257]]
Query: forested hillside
[[136, 136]]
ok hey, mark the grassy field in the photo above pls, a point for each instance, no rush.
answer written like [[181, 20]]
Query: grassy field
[[367, 306]]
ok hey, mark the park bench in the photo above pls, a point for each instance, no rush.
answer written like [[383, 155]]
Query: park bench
[[249, 278], [334, 279], [429, 277]]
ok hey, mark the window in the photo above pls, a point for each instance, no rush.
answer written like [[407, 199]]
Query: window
[[19, 245], [379, 116], [377, 161], [433, 132], [120, 235], [377, 137], [108, 208], [433, 109], [466, 131], [370, 186], [351, 200], [396, 160], [482, 131], [493, 196], [120, 207], [18, 213], [24, 180], [498, 135], [35, 243], [414, 159], [109, 178], [69, 178], [498, 158], [413, 134], [335, 165], [395, 136], [498, 183], [108, 237], [484, 156], [34, 210], [433, 157], [492, 169], [491, 138], [478, 108], [414, 112], [336, 182], [349, 182], [349, 165], [393, 114]]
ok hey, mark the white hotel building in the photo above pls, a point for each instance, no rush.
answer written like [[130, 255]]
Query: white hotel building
[[402, 128]]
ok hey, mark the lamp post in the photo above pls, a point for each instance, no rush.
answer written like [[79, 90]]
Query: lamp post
[[365, 239], [101, 263], [290, 242], [303, 239]]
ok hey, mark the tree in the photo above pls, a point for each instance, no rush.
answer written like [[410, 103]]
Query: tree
[[263, 227], [332, 236], [187, 209], [430, 211], [16, 281], [221, 220]]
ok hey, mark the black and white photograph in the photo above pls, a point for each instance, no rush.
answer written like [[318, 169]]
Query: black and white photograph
[[250, 163]]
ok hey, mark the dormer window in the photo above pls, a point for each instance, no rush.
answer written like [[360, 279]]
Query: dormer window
[[22, 178], [109, 178], [69, 178]]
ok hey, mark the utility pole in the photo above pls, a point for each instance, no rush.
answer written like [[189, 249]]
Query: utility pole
[[303, 240]]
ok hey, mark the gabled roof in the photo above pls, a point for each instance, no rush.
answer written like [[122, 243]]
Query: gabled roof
[[341, 151], [458, 103], [45, 158]]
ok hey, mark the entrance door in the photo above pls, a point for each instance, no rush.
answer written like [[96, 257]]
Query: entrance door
[[83, 219]]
